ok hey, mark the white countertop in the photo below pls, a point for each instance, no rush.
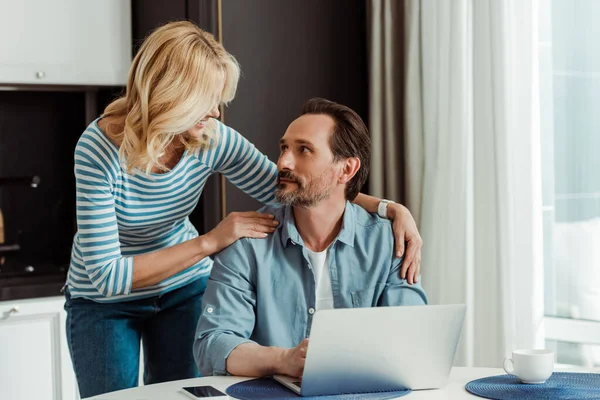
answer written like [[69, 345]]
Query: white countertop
[[455, 389]]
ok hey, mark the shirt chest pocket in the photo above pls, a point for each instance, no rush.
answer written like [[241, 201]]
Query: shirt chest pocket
[[367, 297]]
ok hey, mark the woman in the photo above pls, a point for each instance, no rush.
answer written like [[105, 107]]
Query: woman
[[138, 267]]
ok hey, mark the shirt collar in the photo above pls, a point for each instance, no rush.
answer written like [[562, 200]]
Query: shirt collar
[[290, 233], [288, 230]]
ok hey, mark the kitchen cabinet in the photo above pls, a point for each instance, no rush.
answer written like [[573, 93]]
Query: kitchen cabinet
[[65, 42], [34, 358]]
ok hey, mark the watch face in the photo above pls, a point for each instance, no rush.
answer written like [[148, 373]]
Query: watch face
[[382, 208]]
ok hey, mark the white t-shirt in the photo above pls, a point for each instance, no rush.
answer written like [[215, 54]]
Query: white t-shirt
[[320, 265]]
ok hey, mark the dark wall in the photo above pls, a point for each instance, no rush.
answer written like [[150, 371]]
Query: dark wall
[[290, 51], [149, 14]]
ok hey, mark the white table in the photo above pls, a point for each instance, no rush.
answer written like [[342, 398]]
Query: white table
[[455, 389]]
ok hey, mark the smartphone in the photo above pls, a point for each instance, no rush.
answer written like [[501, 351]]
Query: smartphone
[[198, 392]]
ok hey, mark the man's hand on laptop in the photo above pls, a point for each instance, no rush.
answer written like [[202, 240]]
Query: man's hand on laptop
[[292, 360]]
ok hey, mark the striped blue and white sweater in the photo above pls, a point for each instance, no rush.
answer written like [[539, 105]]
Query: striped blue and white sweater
[[120, 215]]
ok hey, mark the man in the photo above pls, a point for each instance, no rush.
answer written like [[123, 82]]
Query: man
[[326, 253]]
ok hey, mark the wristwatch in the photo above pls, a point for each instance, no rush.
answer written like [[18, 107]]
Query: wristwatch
[[382, 208]]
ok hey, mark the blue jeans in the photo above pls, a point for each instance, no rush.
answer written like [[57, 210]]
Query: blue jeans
[[104, 339]]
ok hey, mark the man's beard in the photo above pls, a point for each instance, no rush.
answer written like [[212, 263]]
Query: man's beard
[[305, 195]]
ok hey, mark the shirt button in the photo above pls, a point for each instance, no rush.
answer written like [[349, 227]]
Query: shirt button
[[311, 311], [209, 310]]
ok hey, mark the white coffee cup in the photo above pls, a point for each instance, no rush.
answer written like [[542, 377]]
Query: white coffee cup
[[530, 366]]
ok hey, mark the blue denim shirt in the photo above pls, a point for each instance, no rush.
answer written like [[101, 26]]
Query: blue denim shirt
[[263, 290]]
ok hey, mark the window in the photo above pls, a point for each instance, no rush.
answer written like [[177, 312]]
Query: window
[[570, 130]]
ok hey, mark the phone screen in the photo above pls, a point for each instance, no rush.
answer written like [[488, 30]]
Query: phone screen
[[203, 391]]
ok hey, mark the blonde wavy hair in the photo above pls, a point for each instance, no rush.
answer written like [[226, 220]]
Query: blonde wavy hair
[[177, 77]]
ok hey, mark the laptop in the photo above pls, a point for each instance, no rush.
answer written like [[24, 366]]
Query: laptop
[[362, 350]]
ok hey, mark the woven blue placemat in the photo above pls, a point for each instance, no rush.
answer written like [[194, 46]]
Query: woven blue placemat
[[561, 385], [267, 388]]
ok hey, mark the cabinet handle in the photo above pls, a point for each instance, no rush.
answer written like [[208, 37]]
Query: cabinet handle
[[40, 74], [14, 310]]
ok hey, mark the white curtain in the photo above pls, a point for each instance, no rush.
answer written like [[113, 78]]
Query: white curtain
[[472, 157]]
